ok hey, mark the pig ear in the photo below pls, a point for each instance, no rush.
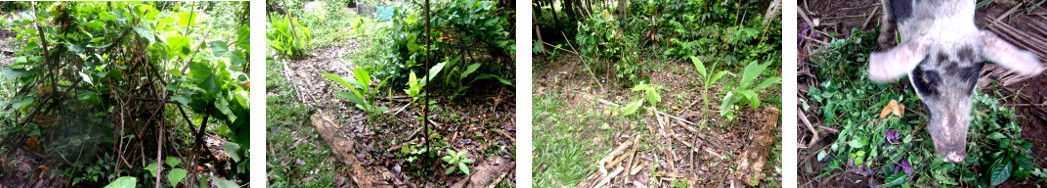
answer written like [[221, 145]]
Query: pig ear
[[1000, 52], [892, 64]]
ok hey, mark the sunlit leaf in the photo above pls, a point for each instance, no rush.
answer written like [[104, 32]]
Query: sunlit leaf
[[123, 182], [176, 175]]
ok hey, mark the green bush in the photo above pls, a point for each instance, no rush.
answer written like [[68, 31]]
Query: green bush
[[601, 38], [470, 35], [745, 92], [288, 38]]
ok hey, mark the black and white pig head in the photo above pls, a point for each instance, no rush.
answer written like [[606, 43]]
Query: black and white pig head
[[942, 52]]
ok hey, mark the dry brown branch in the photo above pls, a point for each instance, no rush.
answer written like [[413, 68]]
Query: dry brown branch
[[608, 178], [602, 163], [803, 117]]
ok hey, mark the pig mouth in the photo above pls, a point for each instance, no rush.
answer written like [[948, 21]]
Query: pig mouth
[[955, 156], [949, 133]]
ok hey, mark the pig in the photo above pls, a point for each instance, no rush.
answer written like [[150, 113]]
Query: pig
[[942, 52]]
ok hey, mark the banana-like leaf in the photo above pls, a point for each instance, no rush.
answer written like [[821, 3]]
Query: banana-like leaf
[[698, 65], [632, 107]]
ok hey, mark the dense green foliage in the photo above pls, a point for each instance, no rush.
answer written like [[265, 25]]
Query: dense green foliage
[[115, 60], [288, 38], [897, 149], [716, 31], [466, 35]]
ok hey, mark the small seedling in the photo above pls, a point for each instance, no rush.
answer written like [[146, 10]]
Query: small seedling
[[457, 160]]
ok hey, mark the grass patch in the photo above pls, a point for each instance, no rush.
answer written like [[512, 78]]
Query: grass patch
[[293, 162], [567, 143]]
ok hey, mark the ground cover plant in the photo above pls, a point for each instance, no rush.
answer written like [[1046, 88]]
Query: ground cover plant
[[631, 93], [388, 106], [124, 94], [854, 132]]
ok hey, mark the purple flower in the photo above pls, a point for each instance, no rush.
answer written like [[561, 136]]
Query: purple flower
[[908, 168], [904, 167], [892, 137]]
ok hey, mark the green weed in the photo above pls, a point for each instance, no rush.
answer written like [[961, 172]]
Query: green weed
[[745, 92], [456, 160]]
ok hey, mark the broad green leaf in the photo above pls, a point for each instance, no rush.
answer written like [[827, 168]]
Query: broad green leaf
[[176, 175], [174, 72], [123, 182], [152, 168], [337, 79], [22, 101], [640, 87], [223, 106], [653, 96], [223, 183], [767, 83], [856, 143], [203, 76], [237, 59], [754, 100], [716, 77], [233, 150], [219, 48], [97, 39], [500, 79], [435, 70], [996, 136], [632, 107], [351, 97], [179, 44], [464, 168], [86, 78], [145, 33], [727, 102], [699, 66], [11, 73], [472, 68], [363, 77], [184, 100], [897, 178], [1023, 161], [751, 72], [1000, 171], [172, 161]]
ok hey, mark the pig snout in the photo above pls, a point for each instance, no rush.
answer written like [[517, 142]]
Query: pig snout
[[948, 129]]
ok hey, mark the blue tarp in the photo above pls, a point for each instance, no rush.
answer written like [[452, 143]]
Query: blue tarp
[[384, 13]]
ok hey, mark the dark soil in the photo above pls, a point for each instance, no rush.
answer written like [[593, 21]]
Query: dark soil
[[837, 19]]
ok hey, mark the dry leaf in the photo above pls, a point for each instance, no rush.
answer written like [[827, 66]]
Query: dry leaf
[[32, 143], [898, 109]]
